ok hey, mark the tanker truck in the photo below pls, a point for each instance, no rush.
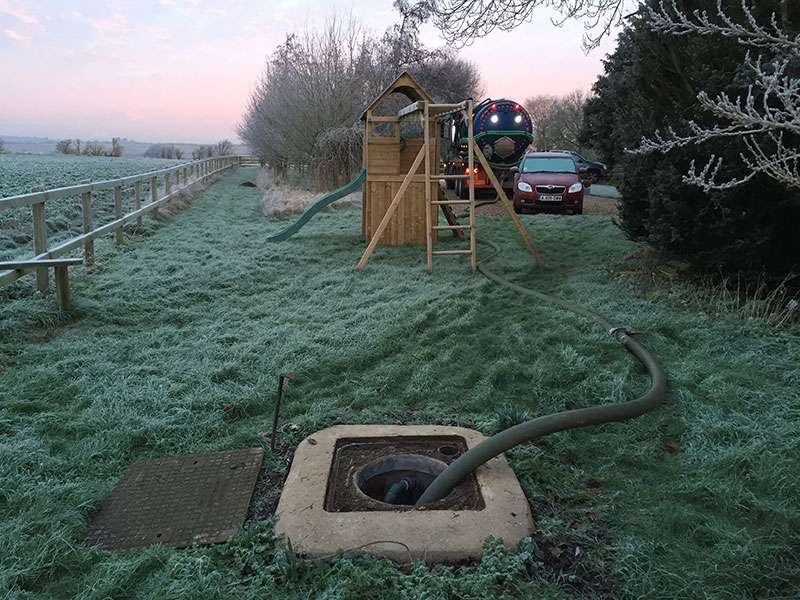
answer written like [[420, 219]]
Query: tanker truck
[[503, 131]]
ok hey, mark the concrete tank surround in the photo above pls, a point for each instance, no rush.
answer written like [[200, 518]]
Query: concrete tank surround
[[435, 535]]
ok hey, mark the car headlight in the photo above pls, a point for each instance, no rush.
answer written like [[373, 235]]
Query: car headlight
[[575, 187], [524, 187]]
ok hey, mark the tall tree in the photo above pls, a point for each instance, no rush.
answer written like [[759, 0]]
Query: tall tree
[[557, 121], [305, 107]]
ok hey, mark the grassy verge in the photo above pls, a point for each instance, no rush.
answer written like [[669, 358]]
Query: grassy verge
[[698, 499]]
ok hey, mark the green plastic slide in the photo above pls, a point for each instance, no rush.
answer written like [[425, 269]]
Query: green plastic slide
[[327, 199]]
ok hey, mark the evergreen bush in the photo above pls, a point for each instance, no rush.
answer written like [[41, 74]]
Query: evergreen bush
[[651, 83]]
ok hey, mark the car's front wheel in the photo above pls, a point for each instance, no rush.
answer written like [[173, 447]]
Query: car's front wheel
[[594, 175]]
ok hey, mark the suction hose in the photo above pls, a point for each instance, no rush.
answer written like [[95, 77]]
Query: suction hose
[[405, 484], [570, 419]]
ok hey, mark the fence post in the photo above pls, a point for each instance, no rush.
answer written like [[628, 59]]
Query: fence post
[[118, 212], [40, 242], [137, 199], [185, 177], [86, 214], [154, 193], [167, 184]]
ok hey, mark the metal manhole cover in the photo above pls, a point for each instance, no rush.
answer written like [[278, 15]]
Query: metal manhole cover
[[178, 501]]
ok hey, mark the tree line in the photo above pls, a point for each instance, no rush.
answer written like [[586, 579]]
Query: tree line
[[221, 148], [90, 148], [97, 148], [305, 108]]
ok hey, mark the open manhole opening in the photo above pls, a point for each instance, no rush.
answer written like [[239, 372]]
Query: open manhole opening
[[391, 473], [400, 479]]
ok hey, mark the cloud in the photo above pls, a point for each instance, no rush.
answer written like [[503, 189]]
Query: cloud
[[19, 14], [114, 23], [17, 37]]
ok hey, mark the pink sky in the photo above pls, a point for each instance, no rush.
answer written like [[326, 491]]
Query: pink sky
[[181, 70]]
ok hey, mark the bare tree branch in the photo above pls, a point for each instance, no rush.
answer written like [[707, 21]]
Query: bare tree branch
[[463, 21]]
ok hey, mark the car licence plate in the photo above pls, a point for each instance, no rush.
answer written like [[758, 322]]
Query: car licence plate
[[549, 198]]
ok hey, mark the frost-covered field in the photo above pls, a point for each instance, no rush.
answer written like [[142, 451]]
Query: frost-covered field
[[21, 172]]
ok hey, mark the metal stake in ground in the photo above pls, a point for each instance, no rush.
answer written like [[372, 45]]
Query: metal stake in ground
[[281, 377]]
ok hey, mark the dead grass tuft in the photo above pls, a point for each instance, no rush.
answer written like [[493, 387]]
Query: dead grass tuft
[[775, 305], [185, 198], [282, 199]]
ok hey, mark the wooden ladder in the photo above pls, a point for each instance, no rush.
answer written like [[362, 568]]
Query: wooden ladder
[[454, 226], [433, 205]]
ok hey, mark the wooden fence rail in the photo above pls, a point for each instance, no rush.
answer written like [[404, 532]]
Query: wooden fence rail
[[192, 172]]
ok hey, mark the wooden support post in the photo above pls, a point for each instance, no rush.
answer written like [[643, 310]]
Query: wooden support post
[[509, 207], [185, 177], [428, 216], [86, 214], [118, 212], [392, 207], [137, 199], [364, 156], [167, 184], [40, 244], [62, 287], [471, 181], [154, 194]]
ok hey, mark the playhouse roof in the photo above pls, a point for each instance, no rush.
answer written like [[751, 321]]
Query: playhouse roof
[[405, 85]]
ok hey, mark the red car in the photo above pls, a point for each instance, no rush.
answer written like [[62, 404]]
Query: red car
[[547, 182]]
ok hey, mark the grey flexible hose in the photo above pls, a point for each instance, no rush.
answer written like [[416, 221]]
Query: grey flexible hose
[[570, 419]]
